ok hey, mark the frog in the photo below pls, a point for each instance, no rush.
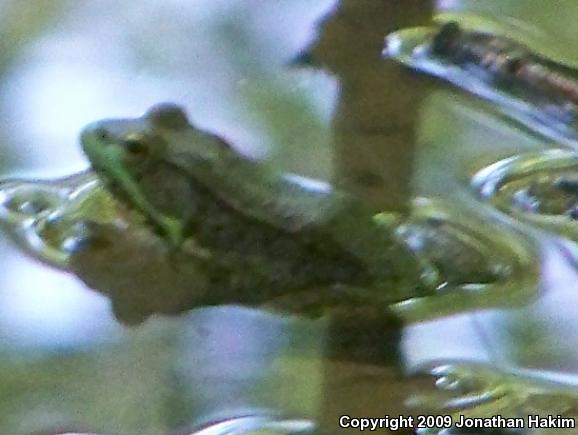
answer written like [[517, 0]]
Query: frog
[[261, 236]]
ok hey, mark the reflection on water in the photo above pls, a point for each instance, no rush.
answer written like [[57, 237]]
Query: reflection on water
[[529, 89], [472, 267], [249, 425], [258, 425], [532, 190], [475, 390], [479, 268], [238, 362], [66, 364], [537, 188]]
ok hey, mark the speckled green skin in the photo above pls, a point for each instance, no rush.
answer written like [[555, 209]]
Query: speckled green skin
[[259, 234]]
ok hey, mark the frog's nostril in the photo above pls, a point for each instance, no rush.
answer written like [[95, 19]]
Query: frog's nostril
[[101, 134]]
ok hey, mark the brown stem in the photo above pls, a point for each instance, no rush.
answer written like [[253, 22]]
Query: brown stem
[[374, 146], [379, 103]]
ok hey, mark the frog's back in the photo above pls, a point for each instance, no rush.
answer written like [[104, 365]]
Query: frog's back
[[258, 261]]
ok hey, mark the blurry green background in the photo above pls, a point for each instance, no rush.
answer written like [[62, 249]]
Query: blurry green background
[[65, 362]]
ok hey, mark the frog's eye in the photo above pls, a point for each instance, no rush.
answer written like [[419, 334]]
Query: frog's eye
[[136, 147]]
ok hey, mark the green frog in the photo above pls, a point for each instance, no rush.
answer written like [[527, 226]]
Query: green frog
[[261, 236]]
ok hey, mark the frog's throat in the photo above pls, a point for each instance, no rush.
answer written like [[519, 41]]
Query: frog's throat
[[172, 228]]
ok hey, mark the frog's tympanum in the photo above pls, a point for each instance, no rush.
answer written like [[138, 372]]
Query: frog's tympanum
[[257, 235]]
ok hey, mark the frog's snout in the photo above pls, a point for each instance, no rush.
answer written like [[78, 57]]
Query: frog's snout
[[93, 134]]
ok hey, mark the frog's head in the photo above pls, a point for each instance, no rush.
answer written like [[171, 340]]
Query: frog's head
[[129, 153]]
